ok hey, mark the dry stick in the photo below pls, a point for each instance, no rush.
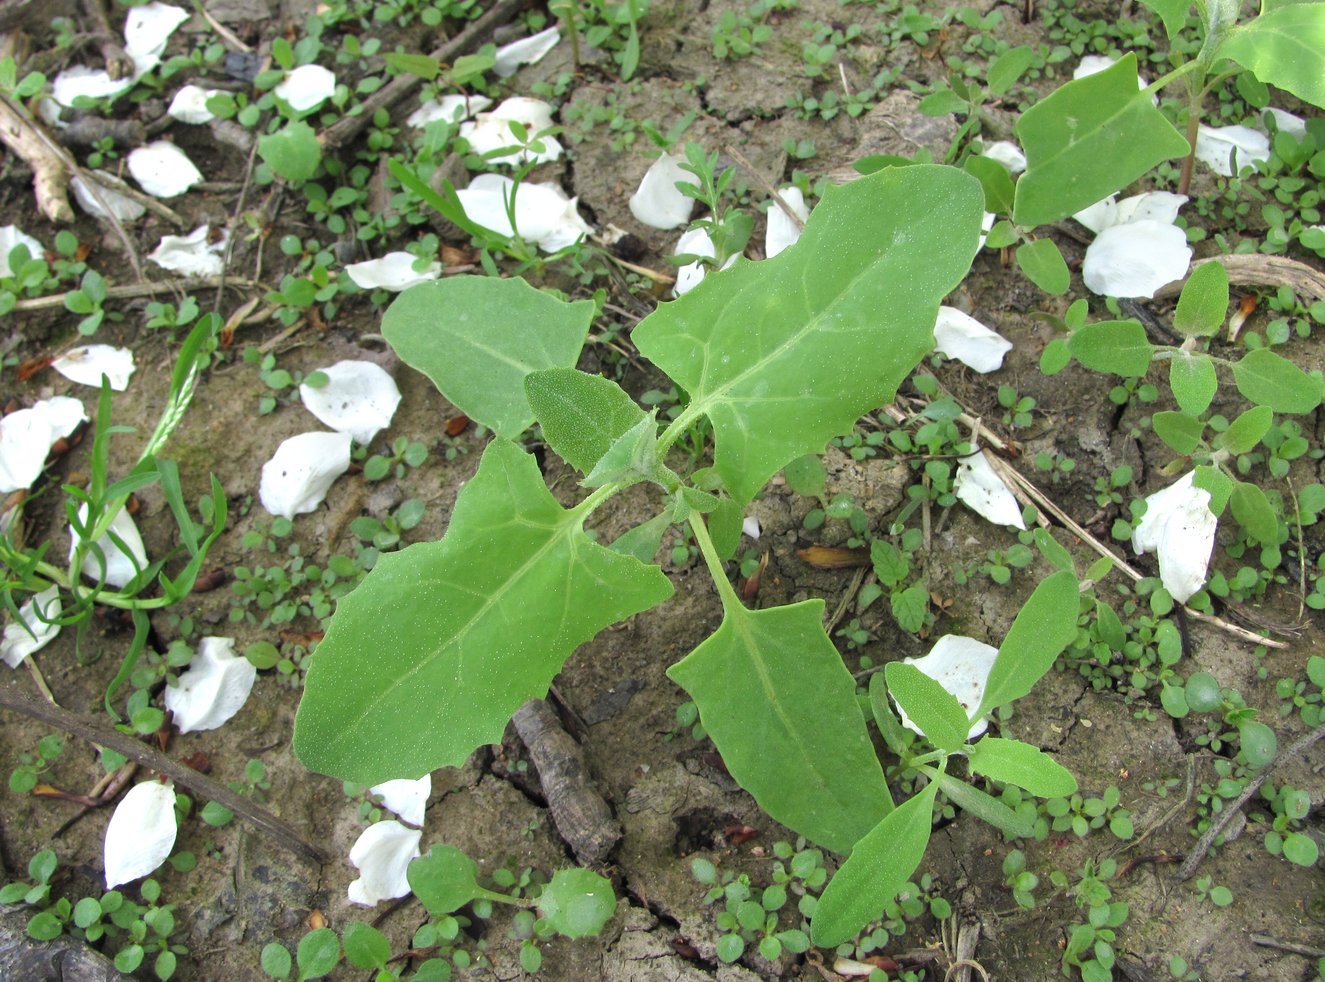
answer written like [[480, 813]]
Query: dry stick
[[1265, 941], [1198, 852], [347, 128], [96, 732], [234, 223], [73, 167], [582, 816], [148, 288], [766, 184]]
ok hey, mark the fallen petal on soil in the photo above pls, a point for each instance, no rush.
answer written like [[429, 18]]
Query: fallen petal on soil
[[782, 232], [1136, 260], [381, 855], [20, 641], [120, 566], [215, 687], [192, 254], [657, 202], [306, 88], [406, 798], [302, 470], [984, 492], [395, 272], [1221, 148], [526, 51], [1180, 527], [86, 365], [140, 834], [961, 336], [359, 399], [163, 170]]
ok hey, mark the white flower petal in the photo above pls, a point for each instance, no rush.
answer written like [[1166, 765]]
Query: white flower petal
[[302, 470], [1158, 206], [215, 687], [306, 87], [1219, 146], [984, 492], [27, 435], [987, 220], [657, 202], [696, 242], [395, 272], [382, 855], [961, 665], [190, 105], [146, 31], [12, 236], [20, 641], [119, 205], [750, 527], [121, 566], [526, 51], [452, 108], [1008, 154], [406, 798], [79, 81], [140, 834], [87, 364], [782, 232], [1092, 64], [544, 214], [359, 399], [961, 336], [492, 131], [162, 169], [191, 254], [1180, 527], [1136, 259]]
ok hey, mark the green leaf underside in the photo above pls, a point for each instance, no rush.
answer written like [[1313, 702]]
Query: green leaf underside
[[1181, 432], [781, 708], [1014, 762], [930, 706], [1088, 139], [1193, 381], [1118, 347], [1272, 380], [1284, 47], [786, 353], [1043, 628], [477, 337], [985, 807], [582, 415], [878, 867], [434, 651]]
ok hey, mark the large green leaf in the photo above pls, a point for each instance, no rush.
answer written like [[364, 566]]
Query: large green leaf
[[877, 868], [1172, 12], [431, 654], [1272, 380], [786, 353], [581, 415], [477, 337], [1284, 47], [1088, 139], [1043, 628], [781, 707]]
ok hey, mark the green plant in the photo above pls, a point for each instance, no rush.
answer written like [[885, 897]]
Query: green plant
[[1090, 945], [739, 35], [88, 301], [818, 749], [31, 766], [404, 453], [1206, 889], [1021, 881], [1081, 814], [728, 227], [749, 915]]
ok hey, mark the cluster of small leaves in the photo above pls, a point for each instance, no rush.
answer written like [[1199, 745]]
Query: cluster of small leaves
[[1230, 719], [750, 916], [1090, 945], [255, 785], [1298, 693], [1018, 879], [1083, 813], [1288, 809], [135, 932], [32, 766]]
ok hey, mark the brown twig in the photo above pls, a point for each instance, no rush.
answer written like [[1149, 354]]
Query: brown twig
[[148, 288], [766, 184], [1217, 826], [1265, 941], [96, 732], [347, 128]]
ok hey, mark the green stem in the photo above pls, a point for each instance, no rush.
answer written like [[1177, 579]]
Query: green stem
[[676, 427], [729, 599]]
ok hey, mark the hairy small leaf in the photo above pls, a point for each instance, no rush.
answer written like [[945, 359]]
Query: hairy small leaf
[[1193, 381], [1203, 302], [581, 415], [930, 706], [1271, 380], [477, 337], [1014, 762], [1118, 347], [1043, 628], [1180, 432], [444, 879], [1247, 430], [985, 807], [1044, 266]]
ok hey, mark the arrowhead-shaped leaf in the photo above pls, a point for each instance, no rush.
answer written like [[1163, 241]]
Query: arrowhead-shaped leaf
[[1284, 47], [477, 337], [431, 654], [784, 354], [877, 868], [781, 708], [1088, 139]]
